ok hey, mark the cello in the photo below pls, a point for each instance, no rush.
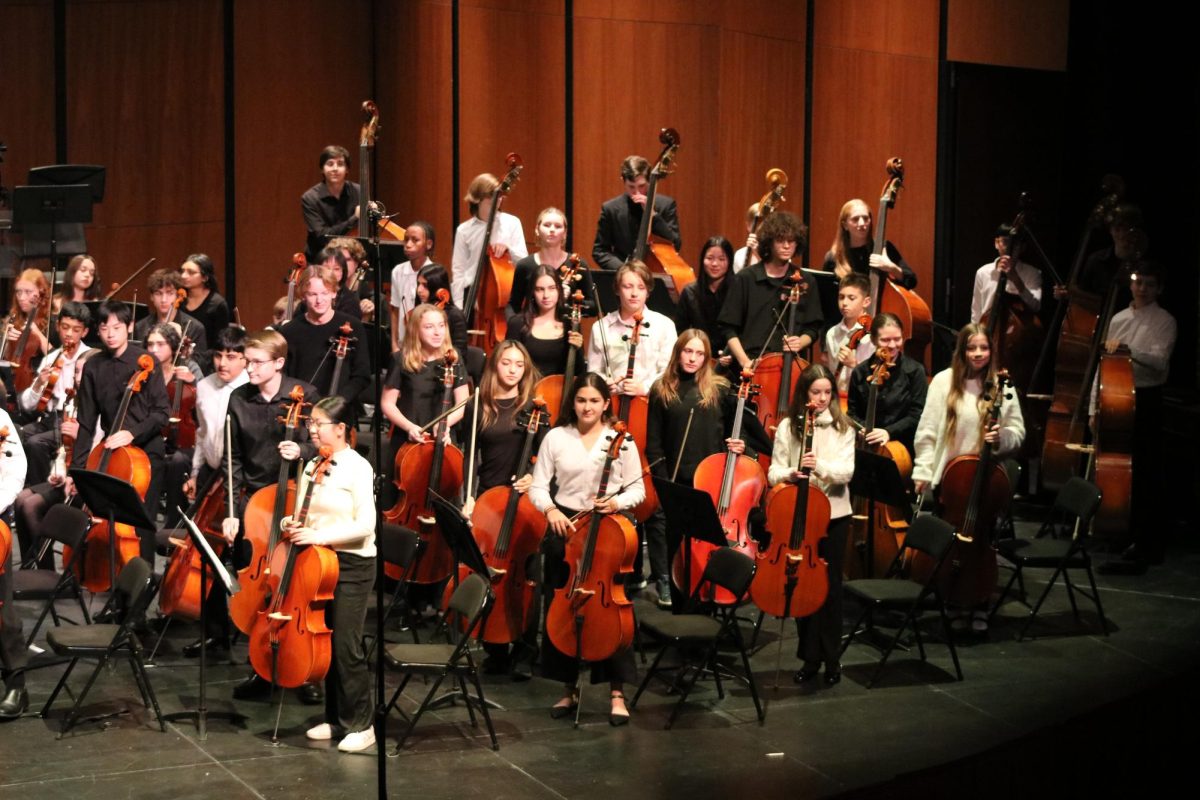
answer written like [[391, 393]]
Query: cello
[[290, 645], [555, 389], [97, 571], [422, 469], [262, 518], [658, 254], [736, 484], [776, 373], [489, 293], [590, 615], [888, 296], [180, 431], [1111, 454], [299, 264], [634, 412]]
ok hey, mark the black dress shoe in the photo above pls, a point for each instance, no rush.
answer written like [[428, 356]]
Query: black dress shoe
[[252, 688], [806, 673], [833, 674], [14, 704], [311, 694], [212, 644], [391, 661]]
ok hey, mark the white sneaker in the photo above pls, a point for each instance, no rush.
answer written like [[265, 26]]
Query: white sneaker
[[358, 741], [321, 733]]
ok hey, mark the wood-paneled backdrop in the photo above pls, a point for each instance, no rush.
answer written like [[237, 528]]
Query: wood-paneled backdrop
[[209, 114]]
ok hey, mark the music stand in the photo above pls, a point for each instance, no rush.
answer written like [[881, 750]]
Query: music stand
[[69, 235], [111, 497], [691, 514], [878, 479], [228, 583], [39, 211]]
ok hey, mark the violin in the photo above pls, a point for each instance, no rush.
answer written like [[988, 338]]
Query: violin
[[509, 532], [1013, 329], [369, 209], [776, 373], [888, 296], [975, 493], [489, 293], [262, 519], [45, 392], [180, 431], [634, 412], [180, 296], [590, 615], [96, 570], [66, 443], [22, 353], [299, 264], [290, 644], [736, 484], [872, 546], [555, 389], [792, 579], [430, 466], [862, 327], [658, 254]]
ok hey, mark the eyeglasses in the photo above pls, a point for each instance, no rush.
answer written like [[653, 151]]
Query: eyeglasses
[[255, 364], [317, 423]]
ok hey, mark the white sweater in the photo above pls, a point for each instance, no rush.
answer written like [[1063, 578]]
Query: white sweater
[[934, 452], [343, 504], [835, 460]]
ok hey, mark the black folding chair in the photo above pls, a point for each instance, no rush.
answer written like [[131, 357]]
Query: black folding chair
[[104, 642], [928, 535], [1071, 516], [691, 632], [465, 613], [66, 526], [398, 546]]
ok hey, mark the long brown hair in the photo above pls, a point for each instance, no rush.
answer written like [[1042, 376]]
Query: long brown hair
[[68, 284], [841, 243], [489, 385], [708, 382], [960, 371], [799, 404]]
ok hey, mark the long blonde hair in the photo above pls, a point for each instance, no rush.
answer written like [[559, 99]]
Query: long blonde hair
[[708, 382], [960, 371], [412, 354], [841, 242], [489, 411]]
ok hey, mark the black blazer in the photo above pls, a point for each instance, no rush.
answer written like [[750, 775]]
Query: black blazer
[[616, 232]]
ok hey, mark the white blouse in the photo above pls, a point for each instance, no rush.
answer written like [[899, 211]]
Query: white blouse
[[835, 460], [342, 509], [576, 471]]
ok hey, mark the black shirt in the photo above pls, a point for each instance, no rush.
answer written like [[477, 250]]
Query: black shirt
[[522, 287], [100, 391], [900, 402], [749, 310], [500, 445], [213, 314], [311, 354], [699, 308], [257, 432], [326, 215], [549, 355], [421, 392], [860, 258]]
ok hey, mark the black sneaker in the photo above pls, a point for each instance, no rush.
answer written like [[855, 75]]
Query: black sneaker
[[664, 592]]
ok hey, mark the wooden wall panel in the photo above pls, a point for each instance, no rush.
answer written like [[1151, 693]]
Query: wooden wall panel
[[512, 99], [1009, 33], [144, 98], [299, 84], [896, 27], [26, 93], [414, 162], [870, 105]]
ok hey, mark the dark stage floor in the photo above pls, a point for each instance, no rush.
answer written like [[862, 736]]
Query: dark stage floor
[[1097, 702]]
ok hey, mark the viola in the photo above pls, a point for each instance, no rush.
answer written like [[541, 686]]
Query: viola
[[555, 389], [430, 466], [299, 264], [22, 353], [96, 570], [290, 644], [736, 484], [590, 615], [489, 293], [262, 519], [862, 327], [913, 312], [369, 209], [872, 544], [975, 493], [776, 373], [658, 254], [66, 443], [792, 579], [634, 412]]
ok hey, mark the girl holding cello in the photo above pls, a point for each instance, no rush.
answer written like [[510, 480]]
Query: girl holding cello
[[829, 465], [572, 457], [341, 516], [541, 327], [952, 421]]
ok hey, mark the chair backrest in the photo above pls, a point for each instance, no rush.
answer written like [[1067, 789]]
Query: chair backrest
[[730, 569], [65, 524], [470, 598], [930, 535], [398, 545], [1078, 498], [133, 588]]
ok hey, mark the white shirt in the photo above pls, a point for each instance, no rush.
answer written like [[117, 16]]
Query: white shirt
[[468, 242], [932, 449], [1149, 333], [986, 278], [342, 509], [835, 338], [212, 403], [739, 259], [835, 460], [27, 400], [655, 342], [12, 465], [576, 471], [404, 292]]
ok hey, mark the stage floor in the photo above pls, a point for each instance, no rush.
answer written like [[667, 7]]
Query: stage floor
[[1065, 691]]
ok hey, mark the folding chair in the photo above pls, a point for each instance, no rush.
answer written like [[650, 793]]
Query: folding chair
[[103, 642], [1072, 512], [693, 632], [397, 546], [468, 604], [928, 535], [66, 526]]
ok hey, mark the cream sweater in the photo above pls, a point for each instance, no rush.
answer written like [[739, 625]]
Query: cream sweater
[[934, 452], [835, 460]]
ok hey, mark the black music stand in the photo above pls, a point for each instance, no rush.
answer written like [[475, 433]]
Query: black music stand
[[116, 500], [41, 212], [62, 236], [228, 583], [691, 514], [878, 479]]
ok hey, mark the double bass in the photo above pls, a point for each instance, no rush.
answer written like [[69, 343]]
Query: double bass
[[736, 484], [299, 264], [768, 202], [368, 209], [422, 468], [489, 293], [776, 373], [658, 254], [590, 616], [1013, 329], [555, 389]]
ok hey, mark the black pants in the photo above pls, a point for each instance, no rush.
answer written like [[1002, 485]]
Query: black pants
[[30, 506], [348, 683], [821, 633], [654, 532], [178, 467], [1146, 522], [41, 442], [13, 654]]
